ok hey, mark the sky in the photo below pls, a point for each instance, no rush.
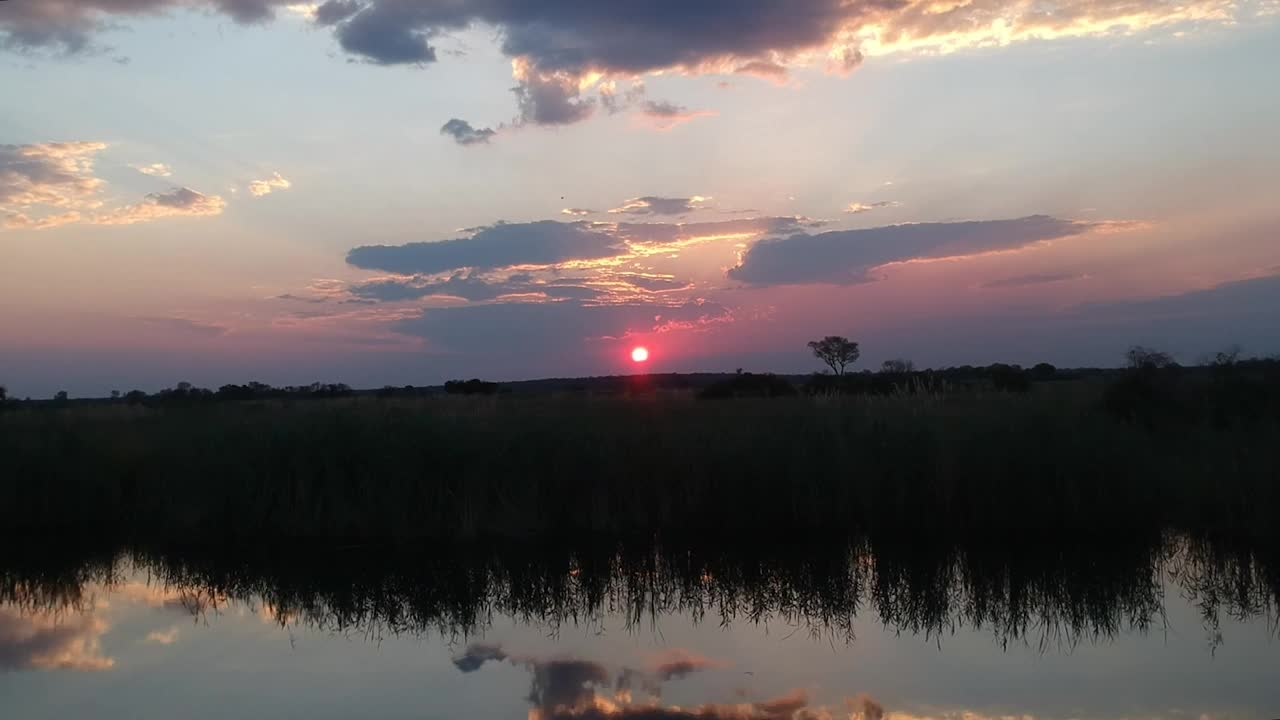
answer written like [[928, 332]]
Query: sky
[[391, 192]]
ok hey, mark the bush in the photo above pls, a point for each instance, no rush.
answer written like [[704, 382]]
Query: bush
[[471, 387], [749, 385]]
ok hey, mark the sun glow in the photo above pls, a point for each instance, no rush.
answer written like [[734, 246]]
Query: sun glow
[[640, 355]]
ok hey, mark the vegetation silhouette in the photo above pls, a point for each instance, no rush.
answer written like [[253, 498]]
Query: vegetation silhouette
[[1052, 595], [471, 387], [995, 452], [745, 384], [836, 351]]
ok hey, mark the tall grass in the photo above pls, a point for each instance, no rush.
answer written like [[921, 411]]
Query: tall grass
[[1048, 462]]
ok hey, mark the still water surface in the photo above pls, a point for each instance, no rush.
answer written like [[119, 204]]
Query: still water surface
[[1153, 630]]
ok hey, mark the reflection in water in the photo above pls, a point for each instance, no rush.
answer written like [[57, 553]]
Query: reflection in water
[[527, 630], [1052, 596], [48, 641]]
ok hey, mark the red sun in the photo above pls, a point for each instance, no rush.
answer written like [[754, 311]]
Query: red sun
[[639, 354]]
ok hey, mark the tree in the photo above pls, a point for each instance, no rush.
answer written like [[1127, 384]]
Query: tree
[[4, 393], [837, 352], [61, 396], [1143, 358], [897, 366]]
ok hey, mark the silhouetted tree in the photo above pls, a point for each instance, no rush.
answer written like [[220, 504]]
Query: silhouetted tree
[[135, 397], [115, 394], [1044, 371], [836, 351], [897, 366], [1144, 358], [473, 386], [1008, 378], [60, 396], [4, 393]]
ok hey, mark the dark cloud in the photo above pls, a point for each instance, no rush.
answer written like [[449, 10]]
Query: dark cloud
[[562, 49], [847, 256], [562, 684], [477, 655], [1018, 281], [547, 242], [335, 11], [549, 99], [67, 26], [538, 243], [652, 205], [463, 134]]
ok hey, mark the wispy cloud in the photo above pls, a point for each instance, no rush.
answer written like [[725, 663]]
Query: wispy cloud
[[663, 116], [261, 188], [179, 202], [857, 208], [1018, 281], [652, 205], [154, 170]]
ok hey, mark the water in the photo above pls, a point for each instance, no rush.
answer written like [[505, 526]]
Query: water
[[1158, 628]]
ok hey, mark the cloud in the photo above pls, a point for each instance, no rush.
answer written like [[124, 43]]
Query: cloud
[[476, 655], [847, 256], [664, 116], [764, 69], [260, 188], [47, 185], [167, 637], [651, 205], [552, 328], [1018, 281], [335, 11], [678, 663], [463, 134], [179, 202], [49, 175], [42, 641], [154, 170], [185, 325], [469, 287], [561, 50], [67, 26], [569, 688], [549, 98], [503, 245], [577, 212], [857, 208]]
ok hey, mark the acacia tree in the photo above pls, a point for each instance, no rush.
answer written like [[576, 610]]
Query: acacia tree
[[837, 352]]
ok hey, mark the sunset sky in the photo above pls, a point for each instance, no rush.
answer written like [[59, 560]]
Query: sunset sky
[[408, 191]]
